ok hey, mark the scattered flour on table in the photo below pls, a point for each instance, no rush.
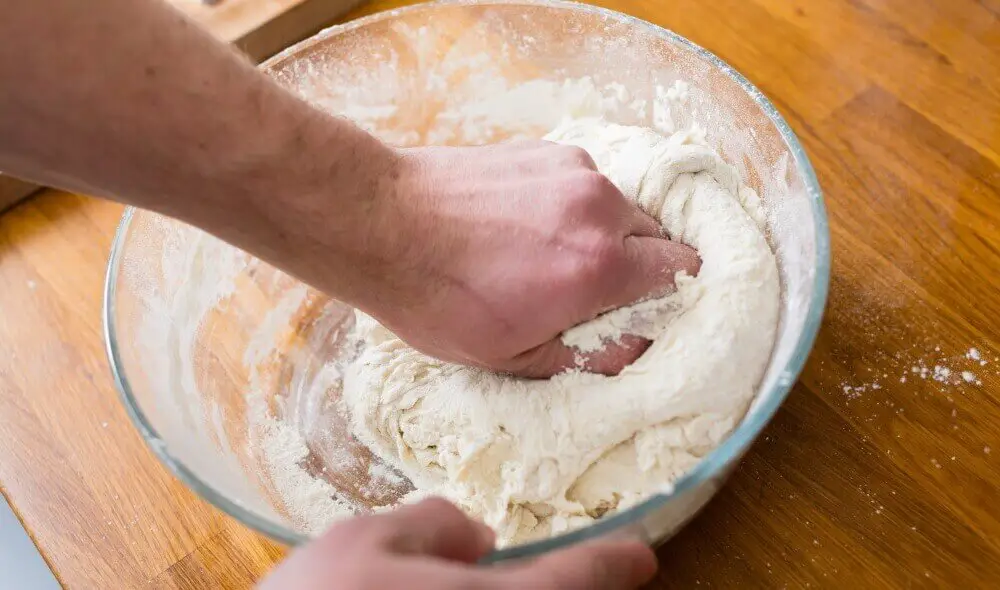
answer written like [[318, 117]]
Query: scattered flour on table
[[948, 371]]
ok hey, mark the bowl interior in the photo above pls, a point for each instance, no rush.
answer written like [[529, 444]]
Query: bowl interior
[[231, 368]]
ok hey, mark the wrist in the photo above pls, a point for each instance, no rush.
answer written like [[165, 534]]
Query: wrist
[[310, 205], [327, 172]]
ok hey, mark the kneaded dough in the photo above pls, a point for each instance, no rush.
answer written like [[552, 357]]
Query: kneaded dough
[[536, 458]]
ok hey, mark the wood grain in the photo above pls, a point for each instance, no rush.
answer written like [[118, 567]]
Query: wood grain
[[870, 476]]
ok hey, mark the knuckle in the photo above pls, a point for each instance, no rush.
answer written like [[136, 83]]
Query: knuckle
[[526, 144], [596, 187], [576, 156], [587, 193]]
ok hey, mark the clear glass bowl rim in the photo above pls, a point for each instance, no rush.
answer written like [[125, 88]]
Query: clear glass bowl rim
[[712, 466]]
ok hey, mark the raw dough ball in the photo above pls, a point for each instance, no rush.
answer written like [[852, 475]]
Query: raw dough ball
[[535, 458]]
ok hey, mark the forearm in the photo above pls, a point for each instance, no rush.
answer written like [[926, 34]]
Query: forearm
[[127, 99]]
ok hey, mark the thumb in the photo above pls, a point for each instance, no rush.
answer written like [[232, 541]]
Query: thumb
[[652, 265], [554, 357], [603, 565], [436, 527]]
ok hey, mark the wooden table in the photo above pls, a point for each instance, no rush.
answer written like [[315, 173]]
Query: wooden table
[[872, 475]]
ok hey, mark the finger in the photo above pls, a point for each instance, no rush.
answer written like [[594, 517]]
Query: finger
[[619, 565], [569, 156], [651, 268], [543, 361], [615, 355], [583, 158], [604, 565], [436, 527], [554, 357], [548, 155], [640, 223], [522, 144]]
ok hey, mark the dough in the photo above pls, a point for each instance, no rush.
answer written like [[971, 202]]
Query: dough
[[536, 458]]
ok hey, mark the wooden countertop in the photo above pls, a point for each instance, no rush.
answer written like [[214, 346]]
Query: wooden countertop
[[872, 475]]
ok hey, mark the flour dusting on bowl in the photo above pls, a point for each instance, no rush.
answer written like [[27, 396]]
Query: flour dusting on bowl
[[233, 370]]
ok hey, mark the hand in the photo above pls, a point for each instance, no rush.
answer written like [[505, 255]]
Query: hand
[[434, 546], [476, 255], [495, 251]]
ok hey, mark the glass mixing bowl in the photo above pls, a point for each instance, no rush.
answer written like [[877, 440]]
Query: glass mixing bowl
[[219, 356]]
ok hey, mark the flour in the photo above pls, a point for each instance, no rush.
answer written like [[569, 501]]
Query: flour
[[536, 458]]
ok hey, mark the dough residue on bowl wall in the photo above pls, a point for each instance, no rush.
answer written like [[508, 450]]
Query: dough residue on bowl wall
[[242, 369]]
